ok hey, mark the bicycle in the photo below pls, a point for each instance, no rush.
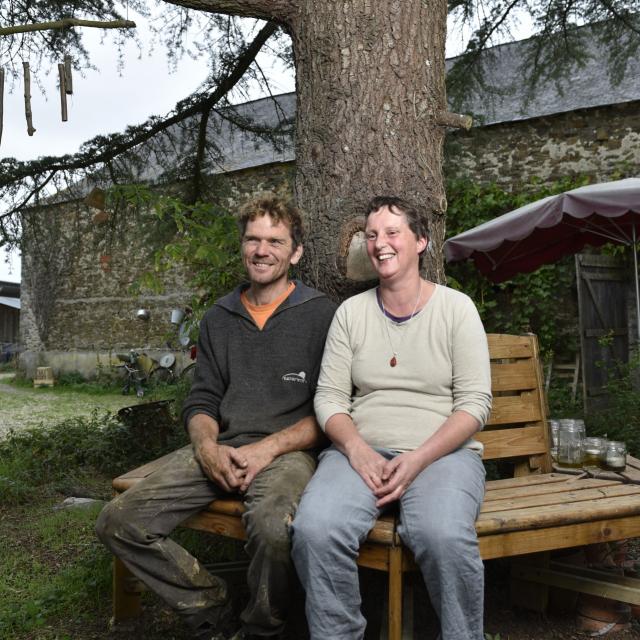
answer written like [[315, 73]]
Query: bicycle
[[134, 372], [164, 371]]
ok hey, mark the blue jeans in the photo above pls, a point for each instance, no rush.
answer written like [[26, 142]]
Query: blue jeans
[[437, 514]]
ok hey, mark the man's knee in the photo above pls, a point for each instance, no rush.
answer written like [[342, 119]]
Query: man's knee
[[108, 523], [269, 523], [116, 522]]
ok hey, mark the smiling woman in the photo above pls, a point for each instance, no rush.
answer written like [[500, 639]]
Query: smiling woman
[[404, 386]]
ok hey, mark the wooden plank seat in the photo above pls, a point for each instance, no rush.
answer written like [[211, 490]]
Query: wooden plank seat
[[533, 511]]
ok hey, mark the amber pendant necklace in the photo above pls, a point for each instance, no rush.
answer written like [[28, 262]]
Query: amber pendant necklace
[[394, 358]]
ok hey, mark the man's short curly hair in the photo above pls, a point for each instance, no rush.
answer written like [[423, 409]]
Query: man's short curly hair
[[279, 209]]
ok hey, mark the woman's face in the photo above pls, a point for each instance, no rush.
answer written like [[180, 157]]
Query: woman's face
[[391, 245]]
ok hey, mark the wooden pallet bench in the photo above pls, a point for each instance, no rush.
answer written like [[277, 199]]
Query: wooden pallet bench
[[533, 511]]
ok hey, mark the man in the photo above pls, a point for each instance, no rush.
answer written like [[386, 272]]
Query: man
[[252, 428]]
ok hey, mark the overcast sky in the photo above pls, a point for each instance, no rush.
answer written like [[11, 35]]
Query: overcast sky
[[105, 101]]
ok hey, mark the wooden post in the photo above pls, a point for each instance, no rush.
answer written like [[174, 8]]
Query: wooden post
[[63, 93], [126, 593], [27, 98], [68, 78], [1, 100], [395, 592]]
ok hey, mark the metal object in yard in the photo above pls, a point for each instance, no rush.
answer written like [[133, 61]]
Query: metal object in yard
[[177, 315], [151, 421]]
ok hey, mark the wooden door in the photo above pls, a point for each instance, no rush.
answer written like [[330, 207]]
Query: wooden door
[[604, 331]]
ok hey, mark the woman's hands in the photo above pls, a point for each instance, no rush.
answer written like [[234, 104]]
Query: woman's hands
[[397, 474], [367, 462], [387, 479]]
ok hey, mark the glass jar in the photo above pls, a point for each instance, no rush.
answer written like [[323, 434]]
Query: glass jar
[[615, 457], [593, 451], [554, 427], [570, 437]]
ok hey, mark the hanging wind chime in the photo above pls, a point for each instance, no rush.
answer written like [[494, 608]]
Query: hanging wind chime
[[66, 85], [64, 68], [1, 100]]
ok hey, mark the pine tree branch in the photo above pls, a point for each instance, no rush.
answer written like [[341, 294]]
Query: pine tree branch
[[65, 23], [123, 143], [278, 10]]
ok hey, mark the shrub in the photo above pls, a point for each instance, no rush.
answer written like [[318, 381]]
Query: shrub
[[40, 459]]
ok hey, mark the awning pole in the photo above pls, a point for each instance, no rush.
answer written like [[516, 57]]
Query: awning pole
[[635, 270]]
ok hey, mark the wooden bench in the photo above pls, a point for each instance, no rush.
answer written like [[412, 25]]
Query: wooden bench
[[533, 511]]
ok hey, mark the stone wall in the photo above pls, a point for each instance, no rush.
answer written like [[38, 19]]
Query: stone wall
[[93, 309], [603, 143], [87, 280]]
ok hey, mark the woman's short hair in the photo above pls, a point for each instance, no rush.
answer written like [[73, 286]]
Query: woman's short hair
[[278, 209], [415, 219]]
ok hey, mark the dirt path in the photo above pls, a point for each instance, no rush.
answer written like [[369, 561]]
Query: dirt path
[[22, 407]]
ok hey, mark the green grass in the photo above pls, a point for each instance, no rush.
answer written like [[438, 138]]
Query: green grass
[[55, 577], [55, 566]]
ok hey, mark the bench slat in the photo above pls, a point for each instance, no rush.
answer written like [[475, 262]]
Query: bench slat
[[554, 497], [493, 494], [513, 409], [502, 346], [560, 514], [513, 376], [510, 443], [516, 543]]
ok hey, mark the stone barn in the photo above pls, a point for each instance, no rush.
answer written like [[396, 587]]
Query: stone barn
[[78, 312]]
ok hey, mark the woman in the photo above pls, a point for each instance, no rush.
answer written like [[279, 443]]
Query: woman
[[405, 384]]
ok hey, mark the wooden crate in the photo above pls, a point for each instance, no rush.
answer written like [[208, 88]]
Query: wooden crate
[[44, 377]]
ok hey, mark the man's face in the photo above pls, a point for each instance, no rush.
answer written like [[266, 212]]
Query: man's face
[[267, 251]]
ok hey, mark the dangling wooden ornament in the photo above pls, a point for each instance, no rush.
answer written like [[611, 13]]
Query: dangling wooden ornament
[[27, 98], [1, 100], [63, 93], [68, 79]]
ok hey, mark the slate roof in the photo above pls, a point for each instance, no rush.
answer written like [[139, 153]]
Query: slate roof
[[14, 303], [590, 87]]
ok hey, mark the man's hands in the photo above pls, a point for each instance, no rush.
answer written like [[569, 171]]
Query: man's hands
[[221, 464], [233, 469], [254, 458]]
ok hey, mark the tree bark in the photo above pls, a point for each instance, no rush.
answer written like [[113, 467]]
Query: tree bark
[[66, 23], [276, 10], [370, 86], [371, 97]]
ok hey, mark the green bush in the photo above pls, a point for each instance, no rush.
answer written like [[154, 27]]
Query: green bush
[[40, 459], [621, 419]]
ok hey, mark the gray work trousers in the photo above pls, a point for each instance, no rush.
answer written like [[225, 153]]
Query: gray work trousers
[[135, 527], [437, 516]]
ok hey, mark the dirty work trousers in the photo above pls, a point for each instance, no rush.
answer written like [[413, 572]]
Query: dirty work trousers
[[135, 527], [437, 515]]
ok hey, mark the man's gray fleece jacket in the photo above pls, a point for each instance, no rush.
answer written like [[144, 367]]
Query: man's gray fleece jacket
[[252, 382]]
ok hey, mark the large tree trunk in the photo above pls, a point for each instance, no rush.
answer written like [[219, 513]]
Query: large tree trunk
[[370, 85]]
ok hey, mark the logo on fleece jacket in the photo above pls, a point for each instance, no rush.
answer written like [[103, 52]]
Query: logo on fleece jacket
[[300, 377]]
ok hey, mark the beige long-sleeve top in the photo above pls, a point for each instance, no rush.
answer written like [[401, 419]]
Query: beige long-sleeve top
[[442, 367]]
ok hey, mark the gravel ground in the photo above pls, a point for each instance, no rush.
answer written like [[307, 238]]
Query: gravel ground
[[22, 407]]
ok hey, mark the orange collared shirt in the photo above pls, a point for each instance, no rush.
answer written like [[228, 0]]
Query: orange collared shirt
[[262, 312]]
